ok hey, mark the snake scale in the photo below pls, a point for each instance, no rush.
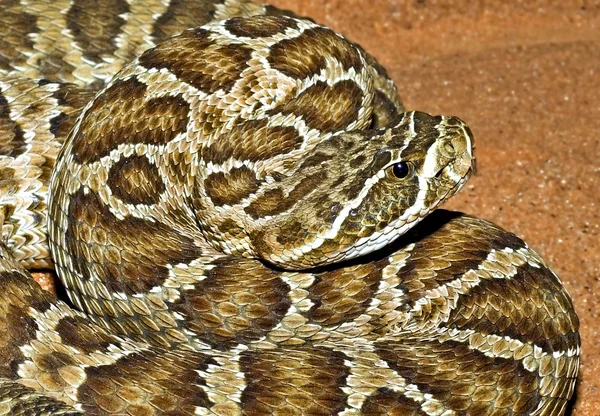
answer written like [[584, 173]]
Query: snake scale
[[242, 215]]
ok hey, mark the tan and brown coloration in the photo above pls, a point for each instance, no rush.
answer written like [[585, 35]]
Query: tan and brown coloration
[[232, 217]]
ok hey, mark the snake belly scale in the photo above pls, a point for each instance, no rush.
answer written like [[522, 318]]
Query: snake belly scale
[[243, 216]]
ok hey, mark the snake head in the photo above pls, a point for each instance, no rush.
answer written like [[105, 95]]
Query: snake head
[[359, 191]]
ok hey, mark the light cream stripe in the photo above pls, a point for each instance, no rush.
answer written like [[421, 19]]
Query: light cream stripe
[[369, 373], [48, 341], [499, 264]]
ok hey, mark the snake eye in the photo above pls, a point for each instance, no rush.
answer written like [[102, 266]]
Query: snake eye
[[400, 170]]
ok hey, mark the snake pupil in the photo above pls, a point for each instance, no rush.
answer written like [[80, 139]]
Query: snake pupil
[[400, 170]]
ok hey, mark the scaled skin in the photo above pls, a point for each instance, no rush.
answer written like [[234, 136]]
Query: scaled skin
[[352, 202]]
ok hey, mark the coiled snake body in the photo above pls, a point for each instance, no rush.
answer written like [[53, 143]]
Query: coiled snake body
[[231, 212]]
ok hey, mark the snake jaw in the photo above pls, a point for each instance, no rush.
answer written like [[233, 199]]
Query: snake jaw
[[447, 165]]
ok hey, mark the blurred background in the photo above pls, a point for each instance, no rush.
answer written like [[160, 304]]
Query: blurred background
[[525, 75]]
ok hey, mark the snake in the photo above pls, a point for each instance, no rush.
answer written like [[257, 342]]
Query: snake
[[243, 219]]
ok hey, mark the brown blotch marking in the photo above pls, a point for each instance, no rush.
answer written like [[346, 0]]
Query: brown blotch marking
[[326, 208], [95, 25], [148, 382], [352, 188], [305, 55], [231, 230], [21, 402], [72, 99], [49, 366], [77, 332], [462, 379], [343, 295], [14, 30], [135, 180], [326, 108], [448, 251], [315, 159], [72, 96], [17, 328], [387, 402], [12, 139], [240, 301], [304, 381], [121, 116], [199, 61], [531, 307], [259, 26], [274, 202], [380, 159], [253, 141], [357, 161], [182, 15], [268, 202], [128, 255], [61, 125], [210, 119], [385, 113], [229, 188]]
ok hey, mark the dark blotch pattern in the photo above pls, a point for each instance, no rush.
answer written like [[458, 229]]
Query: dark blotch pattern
[[269, 202], [303, 381], [194, 58], [231, 230], [16, 327], [95, 25], [274, 202], [304, 56], [253, 141], [61, 124], [135, 180], [458, 251], [385, 113], [530, 307], [72, 100], [76, 332], [326, 108], [229, 188], [260, 26], [72, 96], [314, 159], [240, 301], [129, 255], [122, 116], [464, 380], [388, 402], [14, 30], [12, 140], [182, 15], [147, 383], [344, 294]]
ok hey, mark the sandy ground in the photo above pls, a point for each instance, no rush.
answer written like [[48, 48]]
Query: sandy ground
[[525, 75]]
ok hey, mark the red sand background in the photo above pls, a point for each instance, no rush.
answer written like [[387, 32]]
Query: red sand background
[[525, 75]]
